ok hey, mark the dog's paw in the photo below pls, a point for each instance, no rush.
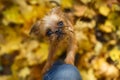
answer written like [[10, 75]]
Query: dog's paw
[[69, 60]]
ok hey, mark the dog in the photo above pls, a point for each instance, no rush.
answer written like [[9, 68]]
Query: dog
[[58, 29]]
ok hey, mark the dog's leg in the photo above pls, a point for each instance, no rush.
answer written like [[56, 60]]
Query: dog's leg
[[50, 59], [72, 47]]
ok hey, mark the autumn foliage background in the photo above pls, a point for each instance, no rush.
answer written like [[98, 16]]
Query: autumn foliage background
[[97, 27]]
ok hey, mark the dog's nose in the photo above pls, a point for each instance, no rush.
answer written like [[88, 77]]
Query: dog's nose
[[59, 32]]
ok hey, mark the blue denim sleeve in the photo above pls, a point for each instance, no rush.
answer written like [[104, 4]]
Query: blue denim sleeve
[[62, 71]]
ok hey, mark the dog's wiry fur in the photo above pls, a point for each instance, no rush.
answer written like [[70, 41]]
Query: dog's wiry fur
[[58, 29]]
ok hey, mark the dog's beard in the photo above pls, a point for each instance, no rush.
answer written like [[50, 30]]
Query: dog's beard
[[57, 35], [61, 34]]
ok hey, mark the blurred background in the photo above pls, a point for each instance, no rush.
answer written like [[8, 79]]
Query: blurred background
[[97, 27]]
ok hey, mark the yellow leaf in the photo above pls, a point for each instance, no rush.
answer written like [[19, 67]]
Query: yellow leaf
[[108, 27], [66, 3], [86, 1], [88, 75], [12, 15], [104, 10], [24, 72], [115, 54], [42, 52]]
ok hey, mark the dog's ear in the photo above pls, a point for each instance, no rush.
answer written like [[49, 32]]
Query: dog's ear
[[57, 10], [35, 29]]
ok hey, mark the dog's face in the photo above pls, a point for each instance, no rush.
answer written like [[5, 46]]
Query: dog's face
[[54, 26]]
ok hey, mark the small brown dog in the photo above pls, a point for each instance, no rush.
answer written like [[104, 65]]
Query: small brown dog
[[59, 30]]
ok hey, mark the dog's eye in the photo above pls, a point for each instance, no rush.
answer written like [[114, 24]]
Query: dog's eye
[[60, 24], [49, 32]]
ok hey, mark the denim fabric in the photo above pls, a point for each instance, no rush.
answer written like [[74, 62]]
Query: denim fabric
[[61, 71]]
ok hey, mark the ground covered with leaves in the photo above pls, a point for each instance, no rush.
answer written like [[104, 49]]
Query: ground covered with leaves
[[97, 27]]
